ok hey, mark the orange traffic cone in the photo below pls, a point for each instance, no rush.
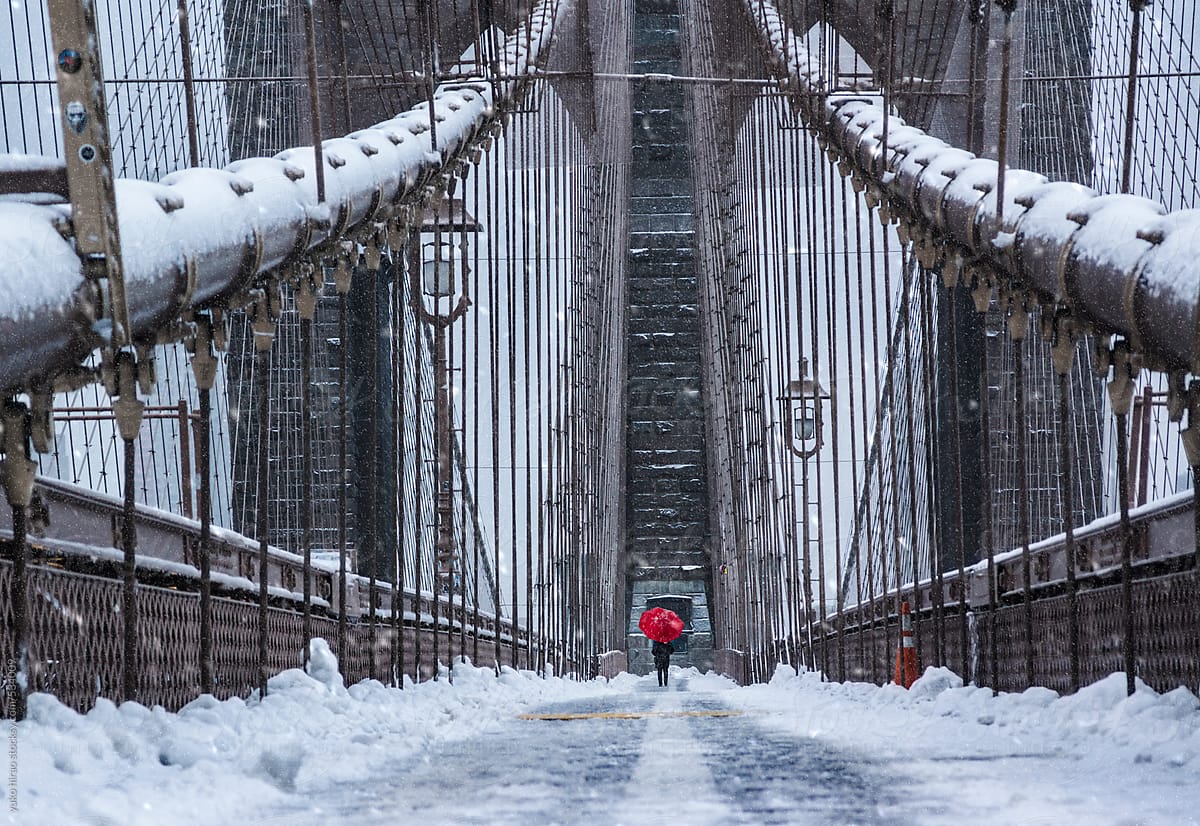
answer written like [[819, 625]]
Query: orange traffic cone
[[907, 669]]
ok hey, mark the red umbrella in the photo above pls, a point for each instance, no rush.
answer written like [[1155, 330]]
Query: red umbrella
[[661, 625]]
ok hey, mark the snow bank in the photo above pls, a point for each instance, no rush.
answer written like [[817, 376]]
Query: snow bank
[[1139, 728], [1096, 757], [129, 765]]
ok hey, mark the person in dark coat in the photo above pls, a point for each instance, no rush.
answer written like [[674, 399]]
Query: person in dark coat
[[662, 652]]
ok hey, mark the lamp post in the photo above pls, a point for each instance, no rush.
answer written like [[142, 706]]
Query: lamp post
[[802, 419], [440, 299], [803, 401]]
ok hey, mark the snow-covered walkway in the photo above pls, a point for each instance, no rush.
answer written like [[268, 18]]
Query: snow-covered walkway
[[702, 751], [643, 756]]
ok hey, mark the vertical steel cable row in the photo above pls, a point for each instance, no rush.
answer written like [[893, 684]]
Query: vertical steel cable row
[[833, 335], [929, 399], [767, 259], [850, 300], [513, 222], [369, 519], [408, 258], [892, 331], [909, 271], [439, 405], [345, 271], [786, 323], [262, 389], [755, 402], [808, 166], [1064, 358], [544, 271], [881, 413], [306, 303], [1018, 323], [768, 407], [556, 193], [950, 296], [417, 387], [459, 443], [493, 212], [986, 535], [1125, 368], [529, 251], [780, 460], [818, 179], [204, 371], [1120, 388], [473, 401], [400, 254], [777, 458]]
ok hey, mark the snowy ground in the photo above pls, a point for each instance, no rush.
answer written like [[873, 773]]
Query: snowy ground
[[801, 751]]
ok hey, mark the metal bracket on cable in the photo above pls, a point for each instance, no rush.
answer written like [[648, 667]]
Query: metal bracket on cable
[[89, 162], [17, 470], [1125, 368], [1064, 337], [266, 309], [200, 345], [1191, 433]]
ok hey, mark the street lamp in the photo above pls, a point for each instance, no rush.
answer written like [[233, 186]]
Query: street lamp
[[442, 275], [802, 419]]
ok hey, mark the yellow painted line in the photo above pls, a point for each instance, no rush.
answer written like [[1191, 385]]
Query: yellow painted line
[[627, 715]]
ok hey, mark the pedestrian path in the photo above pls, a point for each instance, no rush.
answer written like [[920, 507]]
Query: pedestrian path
[[651, 756]]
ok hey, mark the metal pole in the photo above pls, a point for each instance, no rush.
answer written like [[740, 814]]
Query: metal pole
[[1064, 357], [369, 527], [1018, 325], [262, 369], [1120, 395], [18, 474], [128, 411], [1135, 37], [1008, 6], [189, 85], [343, 286], [306, 307], [204, 367], [314, 100], [185, 460]]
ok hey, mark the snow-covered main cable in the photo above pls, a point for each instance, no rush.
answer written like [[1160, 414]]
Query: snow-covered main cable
[[199, 236], [1121, 262]]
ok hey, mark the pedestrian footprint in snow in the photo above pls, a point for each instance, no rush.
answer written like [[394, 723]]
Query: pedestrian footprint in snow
[[662, 652]]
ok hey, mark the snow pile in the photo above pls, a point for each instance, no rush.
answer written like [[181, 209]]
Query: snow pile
[[1097, 756], [1139, 728], [129, 765]]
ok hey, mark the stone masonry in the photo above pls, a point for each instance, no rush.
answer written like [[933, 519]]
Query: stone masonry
[[666, 490]]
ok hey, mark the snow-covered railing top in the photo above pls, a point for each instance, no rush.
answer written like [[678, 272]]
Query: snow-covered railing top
[[1121, 262], [201, 235]]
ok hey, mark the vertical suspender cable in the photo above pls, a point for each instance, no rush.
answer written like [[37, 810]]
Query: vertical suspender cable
[[1018, 324], [1064, 357], [494, 262], [951, 297], [477, 526], [528, 250], [405, 261], [511, 344], [985, 461], [262, 370], [908, 273]]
